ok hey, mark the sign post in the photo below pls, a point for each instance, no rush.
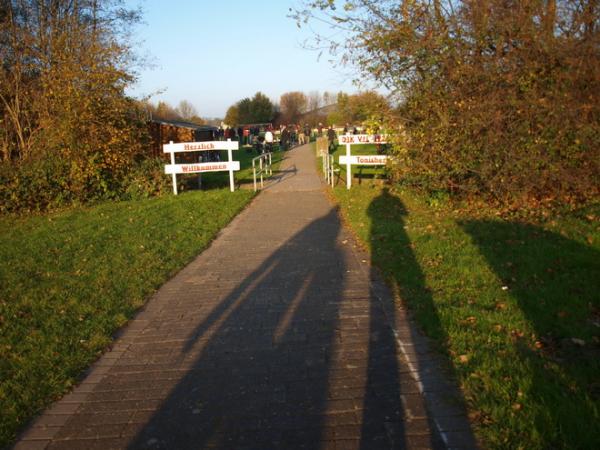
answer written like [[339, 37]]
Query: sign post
[[360, 160], [348, 166], [218, 166], [173, 175], [230, 159]]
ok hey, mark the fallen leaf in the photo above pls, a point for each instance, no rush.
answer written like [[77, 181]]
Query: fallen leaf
[[516, 333]]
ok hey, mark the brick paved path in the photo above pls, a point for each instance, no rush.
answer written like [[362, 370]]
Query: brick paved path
[[277, 336]]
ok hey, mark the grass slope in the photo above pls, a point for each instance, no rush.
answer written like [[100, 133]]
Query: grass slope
[[515, 306], [68, 280]]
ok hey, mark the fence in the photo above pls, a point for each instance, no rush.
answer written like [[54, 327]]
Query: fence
[[264, 167], [329, 169]]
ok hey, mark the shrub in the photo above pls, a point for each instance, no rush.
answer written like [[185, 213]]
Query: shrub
[[147, 179], [37, 185], [498, 99]]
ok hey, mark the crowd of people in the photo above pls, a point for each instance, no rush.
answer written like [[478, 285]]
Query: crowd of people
[[266, 138]]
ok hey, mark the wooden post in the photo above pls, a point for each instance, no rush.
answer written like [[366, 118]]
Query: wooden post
[[348, 167], [174, 175], [230, 158]]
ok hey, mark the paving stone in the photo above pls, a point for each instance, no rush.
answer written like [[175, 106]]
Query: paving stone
[[41, 432], [31, 445], [101, 418], [77, 428], [50, 420]]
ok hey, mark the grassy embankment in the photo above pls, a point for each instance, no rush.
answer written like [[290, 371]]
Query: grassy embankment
[[69, 279], [515, 305]]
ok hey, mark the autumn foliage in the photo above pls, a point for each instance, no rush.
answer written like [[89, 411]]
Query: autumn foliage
[[497, 98], [69, 134]]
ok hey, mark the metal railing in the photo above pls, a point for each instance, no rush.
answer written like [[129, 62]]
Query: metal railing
[[329, 169], [263, 167]]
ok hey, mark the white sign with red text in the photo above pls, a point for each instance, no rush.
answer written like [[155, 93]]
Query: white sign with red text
[[230, 165], [200, 146], [202, 167], [364, 160], [362, 139]]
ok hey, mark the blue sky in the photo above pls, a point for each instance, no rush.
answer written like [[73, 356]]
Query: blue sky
[[213, 53]]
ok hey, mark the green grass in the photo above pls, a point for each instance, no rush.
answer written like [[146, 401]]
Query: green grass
[[68, 280], [515, 306]]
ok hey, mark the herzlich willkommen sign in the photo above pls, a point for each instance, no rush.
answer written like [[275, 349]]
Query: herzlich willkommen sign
[[202, 167], [217, 166]]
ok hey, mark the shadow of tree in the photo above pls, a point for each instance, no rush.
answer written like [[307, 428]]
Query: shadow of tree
[[556, 284]]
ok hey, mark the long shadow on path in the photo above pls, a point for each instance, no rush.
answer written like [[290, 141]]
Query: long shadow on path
[[281, 362], [299, 355], [260, 378]]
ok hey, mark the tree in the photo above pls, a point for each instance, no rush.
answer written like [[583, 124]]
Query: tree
[[497, 99], [359, 107], [197, 120], [314, 101], [65, 66], [165, 111], [258, 109], [292, 105], [232, 117], [329, 98], [262, 109], [245, 111], [186, 110]]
